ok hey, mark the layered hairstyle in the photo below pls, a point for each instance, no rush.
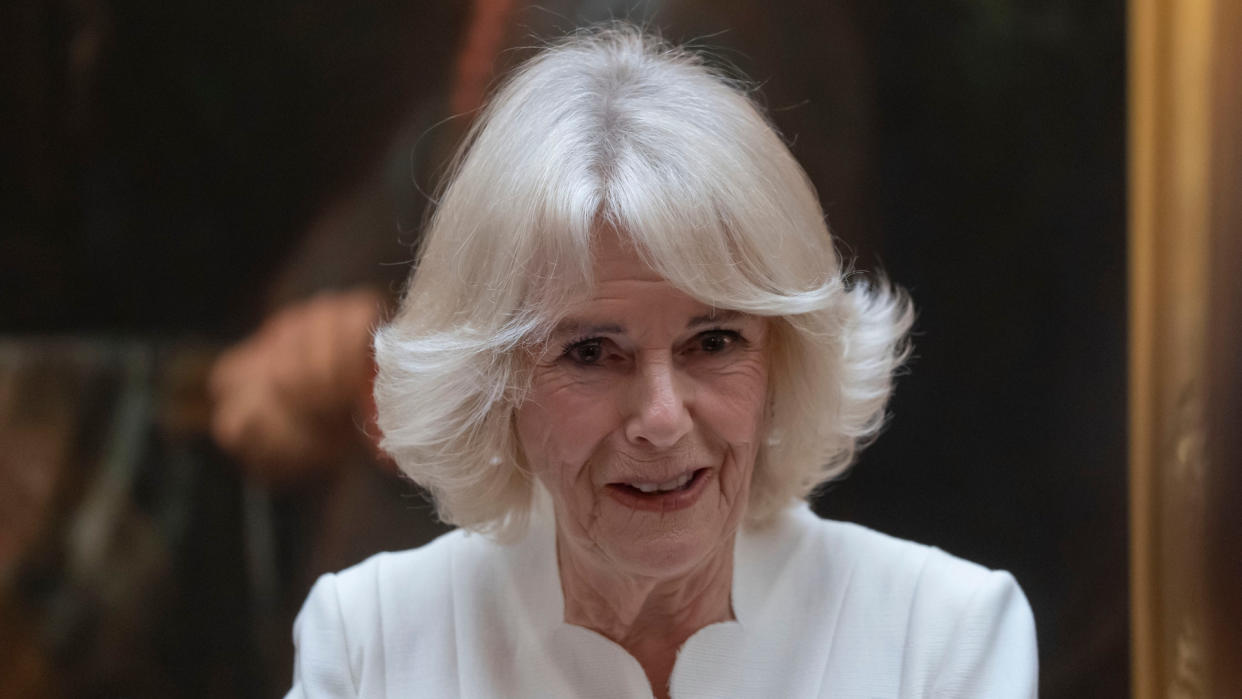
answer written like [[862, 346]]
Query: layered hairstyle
[[612, 129]]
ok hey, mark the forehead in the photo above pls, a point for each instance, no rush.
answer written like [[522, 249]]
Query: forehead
[[628, 290], [614, 258]]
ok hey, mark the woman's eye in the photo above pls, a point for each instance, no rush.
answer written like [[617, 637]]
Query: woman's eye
[[717, 341], [585, 351]]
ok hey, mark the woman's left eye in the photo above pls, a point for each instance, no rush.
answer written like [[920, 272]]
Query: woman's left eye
[[716, 341]]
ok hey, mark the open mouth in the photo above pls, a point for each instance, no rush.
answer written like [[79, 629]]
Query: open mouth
[[678, 483], [674, 494]]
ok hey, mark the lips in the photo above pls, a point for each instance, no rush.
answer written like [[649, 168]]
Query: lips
[[674, 494], [675, 484]]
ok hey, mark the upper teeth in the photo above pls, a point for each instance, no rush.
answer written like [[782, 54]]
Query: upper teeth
[[671, 485]]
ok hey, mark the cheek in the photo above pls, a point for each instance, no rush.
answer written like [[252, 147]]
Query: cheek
[[736, 404], [560, 424], [736, 412]]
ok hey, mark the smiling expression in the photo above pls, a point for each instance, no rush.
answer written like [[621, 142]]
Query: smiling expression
[[644, 419]]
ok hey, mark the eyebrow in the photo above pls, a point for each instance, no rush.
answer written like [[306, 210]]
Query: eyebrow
[[712, 318], [574, 326]]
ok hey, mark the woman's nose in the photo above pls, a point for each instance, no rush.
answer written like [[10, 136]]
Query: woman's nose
[[659, 415]]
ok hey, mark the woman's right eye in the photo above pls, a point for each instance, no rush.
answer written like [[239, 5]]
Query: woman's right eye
[[586, 352]]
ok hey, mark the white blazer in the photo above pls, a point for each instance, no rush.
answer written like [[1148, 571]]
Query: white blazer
[[823, 609]]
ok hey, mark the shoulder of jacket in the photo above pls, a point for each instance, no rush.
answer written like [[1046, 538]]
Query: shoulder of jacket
[[362, 588], [941, 591], [929, 573]]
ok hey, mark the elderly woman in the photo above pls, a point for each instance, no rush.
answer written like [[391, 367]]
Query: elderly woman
[[626, 357]]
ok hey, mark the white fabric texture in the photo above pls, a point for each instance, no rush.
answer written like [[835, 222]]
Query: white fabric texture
[[823, 609]]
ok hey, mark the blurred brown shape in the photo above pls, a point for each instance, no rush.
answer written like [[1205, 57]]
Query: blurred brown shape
[[1224, 427], [35, 427], [1186, 340], [82, 561], [292, 396], [489, 23]]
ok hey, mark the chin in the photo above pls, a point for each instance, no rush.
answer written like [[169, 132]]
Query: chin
[[665, 553]]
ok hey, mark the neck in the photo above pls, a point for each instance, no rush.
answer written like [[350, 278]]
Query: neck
[[650, 617]]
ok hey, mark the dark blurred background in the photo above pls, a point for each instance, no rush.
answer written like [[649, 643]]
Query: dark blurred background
[[182, 180]]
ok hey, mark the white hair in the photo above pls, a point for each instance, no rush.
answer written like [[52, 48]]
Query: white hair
[[613, 129]]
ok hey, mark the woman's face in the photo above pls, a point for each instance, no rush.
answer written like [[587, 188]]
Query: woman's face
[[644, 419]]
